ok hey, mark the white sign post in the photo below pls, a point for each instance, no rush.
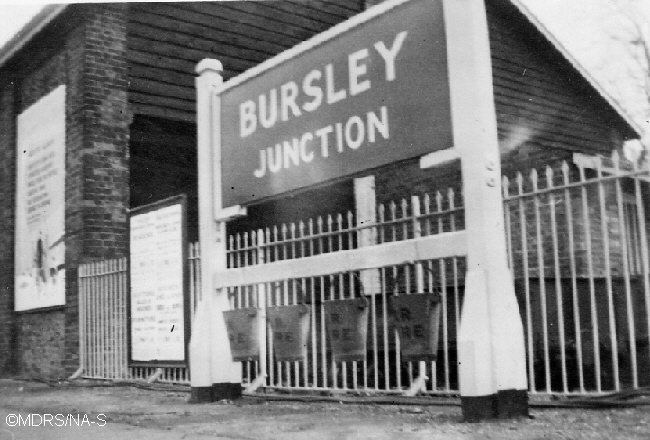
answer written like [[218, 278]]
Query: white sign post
[[428, 88], [491, 354], [214, 375]]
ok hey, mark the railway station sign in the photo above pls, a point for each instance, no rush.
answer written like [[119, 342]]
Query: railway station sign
[[370, 95]]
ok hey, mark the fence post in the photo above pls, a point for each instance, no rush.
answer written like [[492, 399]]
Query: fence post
[[492, 366], [366, 214], [214, 376], [261, 304]]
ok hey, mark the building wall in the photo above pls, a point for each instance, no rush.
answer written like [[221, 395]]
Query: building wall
[[167, 40], [89, 60], [7, 196]]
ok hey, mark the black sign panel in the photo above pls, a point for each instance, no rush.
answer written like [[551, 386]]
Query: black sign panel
[[290, 329], [347, 328], [417, 319], [243, 328], [374, 94]]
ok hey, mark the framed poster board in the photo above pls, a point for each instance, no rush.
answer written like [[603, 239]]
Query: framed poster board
[[40, 204], [159, 306]]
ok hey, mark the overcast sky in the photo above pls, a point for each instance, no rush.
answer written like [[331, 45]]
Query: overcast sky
[[581, 25]]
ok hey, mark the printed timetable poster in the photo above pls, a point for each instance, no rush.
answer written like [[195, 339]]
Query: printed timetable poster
[[40, 204], [158, 279]]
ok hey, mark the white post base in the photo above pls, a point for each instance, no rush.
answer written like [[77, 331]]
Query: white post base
[[491, 351], [200, 359]]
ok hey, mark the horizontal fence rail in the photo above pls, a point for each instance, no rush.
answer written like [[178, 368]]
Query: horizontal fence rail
[[339, 237], [578, 250]]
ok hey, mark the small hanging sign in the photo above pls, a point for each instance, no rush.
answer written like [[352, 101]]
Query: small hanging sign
[[290, 330], [417, 319], [242, 326], [347, 328]]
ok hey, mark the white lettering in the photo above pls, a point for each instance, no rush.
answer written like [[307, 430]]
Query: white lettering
[[339, 136], [375, 124], [247, 118], [261, 171], [274, 163], [312, 91], [322, 134], [389, 55], [355, 70], [268, 121], [354, 143], [291, 151], [332, 96], [303, 148], [288, 94]]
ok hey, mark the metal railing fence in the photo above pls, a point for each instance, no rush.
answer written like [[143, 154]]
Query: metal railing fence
[[103, 347], [383, 370], [578, 249]]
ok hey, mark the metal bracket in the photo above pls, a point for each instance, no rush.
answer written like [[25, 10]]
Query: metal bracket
[[258, 382], [438, 158], [77, 373], [154, 377], [419, 384], [230, 213]]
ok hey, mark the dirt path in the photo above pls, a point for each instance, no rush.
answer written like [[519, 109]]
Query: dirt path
[[133, 413]]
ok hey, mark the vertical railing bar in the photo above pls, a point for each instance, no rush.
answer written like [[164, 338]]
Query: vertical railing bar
[[604, 227], [429, 276], [526, 277], [506, 205], [114, 275], [341, 295], [574, 283], [398, 364], [384, 312], [542, 281], [558, 277], [104, 308], [626, 271], [443, 293], [353, 294], [590, 271], [82, 317], [645, 260]]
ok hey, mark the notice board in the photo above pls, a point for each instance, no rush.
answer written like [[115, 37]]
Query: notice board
[[40, 204], [159, 323]]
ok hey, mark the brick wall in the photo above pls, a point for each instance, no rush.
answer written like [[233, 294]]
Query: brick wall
[[7, 188], [90, 61], [96, 208]]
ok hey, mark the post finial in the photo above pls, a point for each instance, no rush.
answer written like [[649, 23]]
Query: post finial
[[209, 64]]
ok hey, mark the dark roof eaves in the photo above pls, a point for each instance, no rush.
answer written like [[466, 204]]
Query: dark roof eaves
[[27, 32]]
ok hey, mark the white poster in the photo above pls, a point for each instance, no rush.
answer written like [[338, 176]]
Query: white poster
[[157, 313], [40, 204]]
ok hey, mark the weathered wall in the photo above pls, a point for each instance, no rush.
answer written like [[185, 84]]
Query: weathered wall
[[89, 60]]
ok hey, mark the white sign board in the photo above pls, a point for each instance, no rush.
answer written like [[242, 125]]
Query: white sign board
[[157, 284], [40, 204]]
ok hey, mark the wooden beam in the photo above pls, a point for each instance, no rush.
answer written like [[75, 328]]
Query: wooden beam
[[448, 244]]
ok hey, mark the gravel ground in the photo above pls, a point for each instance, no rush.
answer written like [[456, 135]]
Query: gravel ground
[[166, 414]]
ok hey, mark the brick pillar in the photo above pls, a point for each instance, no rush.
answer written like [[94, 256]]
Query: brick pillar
[[97, 186]]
